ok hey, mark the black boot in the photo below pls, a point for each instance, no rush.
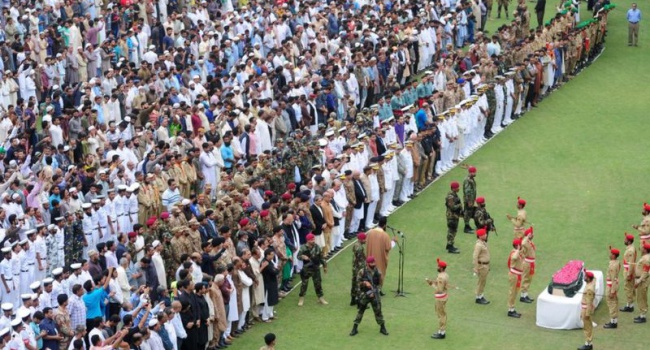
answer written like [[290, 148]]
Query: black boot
[[383, 330], [353, 301], [438, 336], [468, 229], [627, 309], [514, 314], [639, 319], [610, 325], [526, 299], [452, 250], [586, 347], [354, 330]]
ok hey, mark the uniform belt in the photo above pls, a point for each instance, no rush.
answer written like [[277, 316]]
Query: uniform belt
[[529, 260], [520, 228], [634, 22], [645, 237], [9, 279], [16, 274], [24, 270], [440, 295], [30, 264], [484, 263], [103, 227], [120, 215], [584, 306], [133, 212], [89, 234], [515, 271]]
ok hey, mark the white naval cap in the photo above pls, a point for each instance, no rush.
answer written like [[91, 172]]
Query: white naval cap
[[7, 306], [16, 322], [48, 280], [75, 266], [57, 271], [4, 332], [35, 285], [22, 313]]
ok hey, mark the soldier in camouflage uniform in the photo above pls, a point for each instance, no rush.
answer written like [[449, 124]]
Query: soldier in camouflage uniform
[[368, 279], [482, 218], [52, 247], [74, 238], [469, 196], [454, 211], [312, 257], [489, 92], [358, 263], [168, 254]]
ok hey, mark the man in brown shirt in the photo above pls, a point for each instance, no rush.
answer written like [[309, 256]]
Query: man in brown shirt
[[481, 260]]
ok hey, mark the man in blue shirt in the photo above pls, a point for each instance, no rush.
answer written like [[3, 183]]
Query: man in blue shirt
[[95, 297], [633, 19], [421, 117], [52, 339]]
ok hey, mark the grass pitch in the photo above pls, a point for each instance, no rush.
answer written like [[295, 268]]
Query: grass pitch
[[579, 159]]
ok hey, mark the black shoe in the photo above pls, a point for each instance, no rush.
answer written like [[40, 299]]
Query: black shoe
[[482, 301], [586, 347], [438, 336], [353, 301], [610, 325], [514, 314], [354, 331], [639, 319], [627, 309], [396, 203], [383, 330], [453, 250], [381, 293], [468, 229], [526, 299]]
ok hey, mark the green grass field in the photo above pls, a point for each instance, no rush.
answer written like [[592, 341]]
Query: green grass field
[[580, 160]]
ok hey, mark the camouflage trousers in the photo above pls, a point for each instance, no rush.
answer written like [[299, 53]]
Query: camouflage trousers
[[375, 303], [314, 274], [468, 213], [490, 120], [452, 228]]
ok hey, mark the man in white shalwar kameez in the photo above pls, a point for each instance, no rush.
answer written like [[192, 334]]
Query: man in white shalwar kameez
[[208, 167], [264, 141]]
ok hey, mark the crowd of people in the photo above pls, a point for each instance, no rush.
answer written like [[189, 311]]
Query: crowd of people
[[163, 164]]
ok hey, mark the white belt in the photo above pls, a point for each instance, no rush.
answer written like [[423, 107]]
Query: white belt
[[626, 266], [515, 271], [584, 306], [440, 295], [645, 237], [529, 260]]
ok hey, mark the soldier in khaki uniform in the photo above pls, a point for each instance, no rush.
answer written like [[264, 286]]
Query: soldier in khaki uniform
[[528, 253], [194, 235], [629, 263], [516, 269], [641, 273], [611, 292], [520, 220], [441, 284], [144, 201], [588, 309], [481, 260], [177, 171], [644, 227]]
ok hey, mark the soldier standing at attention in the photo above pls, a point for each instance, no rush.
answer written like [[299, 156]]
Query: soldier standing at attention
[[528, 253], [644, 227], [588, 309], [368, 279], [469, 196], [641, 272], [358, 263], [454, 210], [629, 263], [482, 218], [520, 220], [312, 258], [515, 264], [481, 260], [440, 284], [611, 292]]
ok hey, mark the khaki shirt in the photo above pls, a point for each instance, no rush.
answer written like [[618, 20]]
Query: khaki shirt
[[629, 261], [612, 274], [481, 253]]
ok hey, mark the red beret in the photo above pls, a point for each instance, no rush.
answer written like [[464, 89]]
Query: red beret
[[132, 234], [646, 206], [246, 204], [243, 222], [291, 186], [268, 193], [151, 221], [481, 232], [286, 196], [472, 170], [629, 237], [310, 237], [361, 236], [614, 251], [516, 241], [264, 213], [441, 263], [528, 231], [646, 246], [164, 215], [589, 274], [370, 259], [454, 185], [521, 202], [480, 200]]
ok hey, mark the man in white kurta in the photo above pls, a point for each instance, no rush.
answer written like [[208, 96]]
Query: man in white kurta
[[209, 167]]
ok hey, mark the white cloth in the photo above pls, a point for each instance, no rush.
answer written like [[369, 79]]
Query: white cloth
[[559, 312]]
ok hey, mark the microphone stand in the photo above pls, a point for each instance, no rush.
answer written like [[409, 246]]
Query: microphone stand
[[400, 275]]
